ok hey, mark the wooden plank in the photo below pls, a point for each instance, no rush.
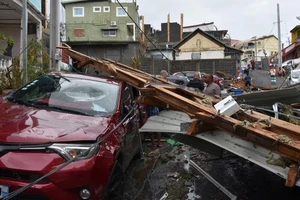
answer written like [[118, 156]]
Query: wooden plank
[[264, 138], [192, 103], [277, 126]]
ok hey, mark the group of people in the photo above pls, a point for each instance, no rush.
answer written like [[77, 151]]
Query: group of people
[[211, 89]]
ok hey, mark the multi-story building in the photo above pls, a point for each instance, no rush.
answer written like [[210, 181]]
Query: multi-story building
[[258, 47], [105, 25], [89, 21], [11, 25], [293, 50]]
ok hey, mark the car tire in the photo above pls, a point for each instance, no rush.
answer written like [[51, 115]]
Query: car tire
[[115, 187]]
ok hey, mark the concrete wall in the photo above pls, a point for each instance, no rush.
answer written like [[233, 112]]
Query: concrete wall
[[154, 66], [204, 55], [120, 53]]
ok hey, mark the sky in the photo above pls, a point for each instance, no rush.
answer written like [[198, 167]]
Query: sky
[[243, 19]]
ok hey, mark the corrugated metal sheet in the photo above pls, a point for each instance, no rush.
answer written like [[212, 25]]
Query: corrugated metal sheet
[[170, 121]]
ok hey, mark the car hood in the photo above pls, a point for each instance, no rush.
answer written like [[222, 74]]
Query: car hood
[[23, 124]]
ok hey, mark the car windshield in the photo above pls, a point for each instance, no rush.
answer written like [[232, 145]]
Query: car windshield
[[295, 74], [70, 95]]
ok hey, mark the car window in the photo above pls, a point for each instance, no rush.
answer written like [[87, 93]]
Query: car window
[[295, 74], [68, 94]]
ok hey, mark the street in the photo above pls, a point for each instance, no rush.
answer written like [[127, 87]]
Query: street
[[263, 78]]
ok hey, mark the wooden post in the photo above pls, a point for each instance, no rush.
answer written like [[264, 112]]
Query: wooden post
[[181, 26], [168, 27], [198, 66]]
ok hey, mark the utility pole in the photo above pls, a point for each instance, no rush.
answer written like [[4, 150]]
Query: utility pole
[[24, 41], [54, 34], [255, 50], [279, 38]]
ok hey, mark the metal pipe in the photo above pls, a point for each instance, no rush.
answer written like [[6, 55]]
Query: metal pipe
[[24, 41], [54, 34], [279, 38], [212, 180]]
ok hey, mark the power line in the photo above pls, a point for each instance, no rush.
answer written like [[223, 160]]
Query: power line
[[156, 48]]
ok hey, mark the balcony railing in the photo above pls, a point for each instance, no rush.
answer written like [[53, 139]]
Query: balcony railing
[[5, 62]]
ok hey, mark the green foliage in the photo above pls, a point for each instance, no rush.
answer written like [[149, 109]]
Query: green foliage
[[10, 41], [37, 64], [140, 54]]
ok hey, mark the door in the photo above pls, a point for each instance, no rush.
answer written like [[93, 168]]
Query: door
[[131, 126]]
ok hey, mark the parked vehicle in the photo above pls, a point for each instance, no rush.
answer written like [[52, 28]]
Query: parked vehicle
[[180, 80], [60, 116], [294, 77], [190, 76]]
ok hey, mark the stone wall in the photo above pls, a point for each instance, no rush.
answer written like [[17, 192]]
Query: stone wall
[[154, 66]]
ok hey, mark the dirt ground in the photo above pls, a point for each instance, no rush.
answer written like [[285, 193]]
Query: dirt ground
[[165, 171]]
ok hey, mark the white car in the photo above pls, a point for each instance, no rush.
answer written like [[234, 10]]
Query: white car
[[294, 77]]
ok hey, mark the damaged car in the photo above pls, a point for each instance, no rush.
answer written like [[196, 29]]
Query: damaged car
[[91, 123]]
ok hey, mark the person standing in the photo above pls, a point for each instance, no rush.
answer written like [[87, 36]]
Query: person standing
[[248, 81], [163, 74], [252, 64], [212, 89], [152, 111]]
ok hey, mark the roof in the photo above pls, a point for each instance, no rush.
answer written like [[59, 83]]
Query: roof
[[63, 2], [208, 36], [204, 24], [265, 37], [92, 43], [295, 28]]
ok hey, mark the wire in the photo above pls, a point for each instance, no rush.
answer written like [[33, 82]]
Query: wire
[[246, 106], [156, 48], [22, 189]]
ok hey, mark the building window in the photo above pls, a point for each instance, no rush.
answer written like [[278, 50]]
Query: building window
[[121, 12], [78, 12], [131, 31], [109, 33], [196, 56], [97, 9], [106, 9]]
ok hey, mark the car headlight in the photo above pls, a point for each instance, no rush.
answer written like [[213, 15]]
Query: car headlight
[[69, 151]]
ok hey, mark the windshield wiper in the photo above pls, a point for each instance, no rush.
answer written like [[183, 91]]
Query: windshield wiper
[[60, 109], [19, 101]]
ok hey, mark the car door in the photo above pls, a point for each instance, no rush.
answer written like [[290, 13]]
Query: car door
[[131, 124]]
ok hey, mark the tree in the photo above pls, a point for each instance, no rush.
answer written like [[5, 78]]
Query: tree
[[140, 54]]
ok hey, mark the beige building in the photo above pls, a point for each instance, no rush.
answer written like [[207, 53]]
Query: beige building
[[257, 48], [201, 45]]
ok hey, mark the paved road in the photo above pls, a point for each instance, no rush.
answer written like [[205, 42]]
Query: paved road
[[263, 78]]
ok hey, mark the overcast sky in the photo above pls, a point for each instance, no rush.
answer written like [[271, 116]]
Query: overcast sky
[[242, 18]]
